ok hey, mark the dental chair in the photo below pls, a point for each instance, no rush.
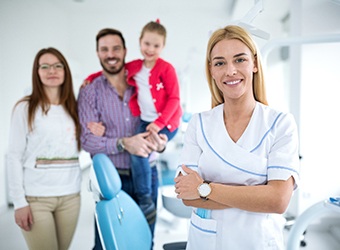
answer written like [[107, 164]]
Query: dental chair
[[121, 223], [316, 211]]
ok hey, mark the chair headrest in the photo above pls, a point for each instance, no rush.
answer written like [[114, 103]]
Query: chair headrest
[[107, 176]]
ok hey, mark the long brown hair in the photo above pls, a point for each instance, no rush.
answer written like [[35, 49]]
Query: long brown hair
[[38, 97], [235, 32]]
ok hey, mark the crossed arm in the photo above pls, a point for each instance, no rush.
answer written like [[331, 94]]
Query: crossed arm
[[272, 197]]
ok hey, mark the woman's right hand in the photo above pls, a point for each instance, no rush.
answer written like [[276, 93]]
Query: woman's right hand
[[90, 79], [186, 184], [85, 83], [96, 128], [24, 218]]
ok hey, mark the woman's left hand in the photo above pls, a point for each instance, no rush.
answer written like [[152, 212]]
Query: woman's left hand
[[186, 185]]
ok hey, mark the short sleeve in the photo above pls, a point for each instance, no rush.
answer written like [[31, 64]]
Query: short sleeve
[[191, 151], [283, 159]]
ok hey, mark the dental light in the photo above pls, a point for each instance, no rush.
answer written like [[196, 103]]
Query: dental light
[[245, 22]]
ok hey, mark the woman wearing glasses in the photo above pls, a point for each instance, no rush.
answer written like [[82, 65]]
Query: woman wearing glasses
[[43, 169]]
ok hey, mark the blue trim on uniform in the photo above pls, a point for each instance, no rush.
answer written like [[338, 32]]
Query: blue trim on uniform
[[265, 135], [284, 168], [203, 230], [238, 168]]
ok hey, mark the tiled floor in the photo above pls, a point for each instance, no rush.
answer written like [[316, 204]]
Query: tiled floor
[[168, 229]]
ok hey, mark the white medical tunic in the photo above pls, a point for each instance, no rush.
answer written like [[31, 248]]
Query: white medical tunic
[[267, 150]]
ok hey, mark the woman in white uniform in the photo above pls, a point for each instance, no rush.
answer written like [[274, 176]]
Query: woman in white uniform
[[240, 163]]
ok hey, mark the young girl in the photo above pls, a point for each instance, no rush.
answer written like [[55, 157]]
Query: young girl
[[44, 176], [156, 101]]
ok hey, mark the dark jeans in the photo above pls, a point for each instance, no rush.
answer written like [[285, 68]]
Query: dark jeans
[[140, 168], [127, 186]]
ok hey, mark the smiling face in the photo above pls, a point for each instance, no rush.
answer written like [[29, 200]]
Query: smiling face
[[51, 71], [232, 67], [111, 53], [151, 46]]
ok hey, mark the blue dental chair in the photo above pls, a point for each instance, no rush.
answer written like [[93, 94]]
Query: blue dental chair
[[121, 223]]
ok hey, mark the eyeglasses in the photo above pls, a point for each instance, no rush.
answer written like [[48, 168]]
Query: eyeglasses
[[47, 67]]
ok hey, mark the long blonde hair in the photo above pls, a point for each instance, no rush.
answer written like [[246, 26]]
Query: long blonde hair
[[235, 32]]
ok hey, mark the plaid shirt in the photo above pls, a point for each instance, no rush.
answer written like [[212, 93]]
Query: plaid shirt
[[100, 102]]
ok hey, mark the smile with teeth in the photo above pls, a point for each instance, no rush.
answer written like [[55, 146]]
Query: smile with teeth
[[112, 62], [233, 82]]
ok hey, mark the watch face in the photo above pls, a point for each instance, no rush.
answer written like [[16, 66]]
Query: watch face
[[204, 189], [120, 146]]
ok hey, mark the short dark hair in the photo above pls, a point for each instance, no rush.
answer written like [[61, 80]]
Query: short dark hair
[[109, 31]]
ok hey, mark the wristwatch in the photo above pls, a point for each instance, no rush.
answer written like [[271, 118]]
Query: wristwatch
[[204, 190], [120, 145]]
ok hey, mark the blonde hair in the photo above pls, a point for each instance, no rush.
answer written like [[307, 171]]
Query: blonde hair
[[235, 32], [156, 27]]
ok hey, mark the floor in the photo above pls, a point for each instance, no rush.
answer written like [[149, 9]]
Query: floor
[[168, 229]]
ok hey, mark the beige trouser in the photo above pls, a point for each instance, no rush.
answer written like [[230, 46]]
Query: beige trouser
[[55, 220]]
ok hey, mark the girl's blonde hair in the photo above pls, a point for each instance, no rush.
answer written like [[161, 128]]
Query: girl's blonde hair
[[154, 27]]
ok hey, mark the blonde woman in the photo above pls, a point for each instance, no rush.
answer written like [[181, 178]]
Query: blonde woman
[[240, 163]]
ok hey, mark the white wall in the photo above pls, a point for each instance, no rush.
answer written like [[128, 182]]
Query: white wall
[[320, 123], [316, 80]]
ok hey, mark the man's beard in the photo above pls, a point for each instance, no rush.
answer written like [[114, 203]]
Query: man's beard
[[113, 70]]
